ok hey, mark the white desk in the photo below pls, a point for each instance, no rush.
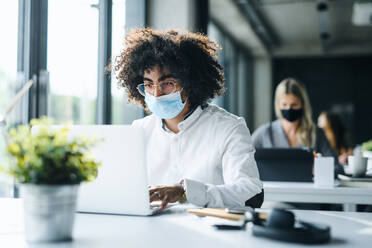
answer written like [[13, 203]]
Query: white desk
[[175, 228], [307, 192]]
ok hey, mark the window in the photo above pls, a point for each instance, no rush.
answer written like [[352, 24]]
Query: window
[[72, 57], [122, 112], [8, 73], [238, 69], [217, 36], [228, 59], [8, 50], [72, 60]]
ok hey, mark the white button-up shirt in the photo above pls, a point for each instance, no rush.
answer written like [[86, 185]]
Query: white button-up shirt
[[212, 152]]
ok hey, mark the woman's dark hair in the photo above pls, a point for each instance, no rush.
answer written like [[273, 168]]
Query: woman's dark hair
[[335, 125], [191, 57]]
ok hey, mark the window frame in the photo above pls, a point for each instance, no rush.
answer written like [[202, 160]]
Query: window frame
[[104, 108], [32, 54]]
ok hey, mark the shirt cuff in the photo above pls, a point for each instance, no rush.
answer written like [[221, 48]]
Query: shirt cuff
[[196, 192]]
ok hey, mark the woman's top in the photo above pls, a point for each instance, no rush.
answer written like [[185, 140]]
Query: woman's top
[[272, 135], [212, 153]]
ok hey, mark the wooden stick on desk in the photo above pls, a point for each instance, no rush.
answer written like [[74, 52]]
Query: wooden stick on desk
[[216, 212], [221, 213]]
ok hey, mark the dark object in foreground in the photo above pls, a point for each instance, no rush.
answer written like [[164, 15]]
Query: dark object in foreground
[[281, 225]]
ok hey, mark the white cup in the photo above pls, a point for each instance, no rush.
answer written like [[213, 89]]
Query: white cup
[[324, 173], [357, 165]]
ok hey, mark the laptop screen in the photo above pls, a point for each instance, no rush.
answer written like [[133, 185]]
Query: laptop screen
[[285, 164]]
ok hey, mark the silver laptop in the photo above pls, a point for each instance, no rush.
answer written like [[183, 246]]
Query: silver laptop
[[121, 185]]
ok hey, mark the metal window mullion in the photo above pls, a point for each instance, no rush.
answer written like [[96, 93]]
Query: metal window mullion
[[249, 90], [21, 31], [104, 56], [22, 109], [231, 78], [202, 16], [32, 52]]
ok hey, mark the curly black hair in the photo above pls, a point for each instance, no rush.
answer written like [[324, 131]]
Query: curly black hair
[[191, 57]]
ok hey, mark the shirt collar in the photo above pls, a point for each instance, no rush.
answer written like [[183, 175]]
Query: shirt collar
[[188, 119]]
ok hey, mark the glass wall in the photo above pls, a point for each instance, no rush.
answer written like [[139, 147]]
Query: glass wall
[[122, 112], [215, 34], [238, 70], [8, 50], [72, 60], [8, 73], [228, 59]]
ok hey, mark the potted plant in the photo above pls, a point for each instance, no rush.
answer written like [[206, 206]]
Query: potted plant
[[49, 166]]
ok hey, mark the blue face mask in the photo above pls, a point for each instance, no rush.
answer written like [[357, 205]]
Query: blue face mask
[[167, 106]]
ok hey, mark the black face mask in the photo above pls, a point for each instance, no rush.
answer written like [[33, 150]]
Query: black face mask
[[292, 114]]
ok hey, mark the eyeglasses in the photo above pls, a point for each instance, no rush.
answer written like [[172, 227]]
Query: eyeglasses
[[166, 88]]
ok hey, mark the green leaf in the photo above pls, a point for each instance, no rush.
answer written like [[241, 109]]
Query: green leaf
[[48, 156]]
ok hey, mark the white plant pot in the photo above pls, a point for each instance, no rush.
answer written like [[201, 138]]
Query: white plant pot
[[49, 211], [367, 154]]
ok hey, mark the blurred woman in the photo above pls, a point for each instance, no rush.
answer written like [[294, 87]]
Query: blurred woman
[[336, 135], [294, 126]]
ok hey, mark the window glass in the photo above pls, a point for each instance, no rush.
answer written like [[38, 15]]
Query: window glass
[[8, 50], [8, 72], [122, 112], [215, 35], [73, 60]]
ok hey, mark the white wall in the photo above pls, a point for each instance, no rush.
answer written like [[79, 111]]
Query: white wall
[[165, 14], [262, 88]]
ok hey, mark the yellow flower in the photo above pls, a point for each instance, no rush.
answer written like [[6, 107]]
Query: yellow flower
[[60, 139], [12, 132], [34, 122], [14, 148]]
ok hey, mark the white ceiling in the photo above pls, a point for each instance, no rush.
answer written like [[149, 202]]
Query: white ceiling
[[226, 14], [296, 24]]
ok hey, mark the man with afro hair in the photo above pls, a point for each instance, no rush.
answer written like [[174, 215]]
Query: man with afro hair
[[196, 152]]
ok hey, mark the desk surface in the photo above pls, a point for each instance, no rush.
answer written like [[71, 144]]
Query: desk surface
[[176, 228], [307, 192]]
